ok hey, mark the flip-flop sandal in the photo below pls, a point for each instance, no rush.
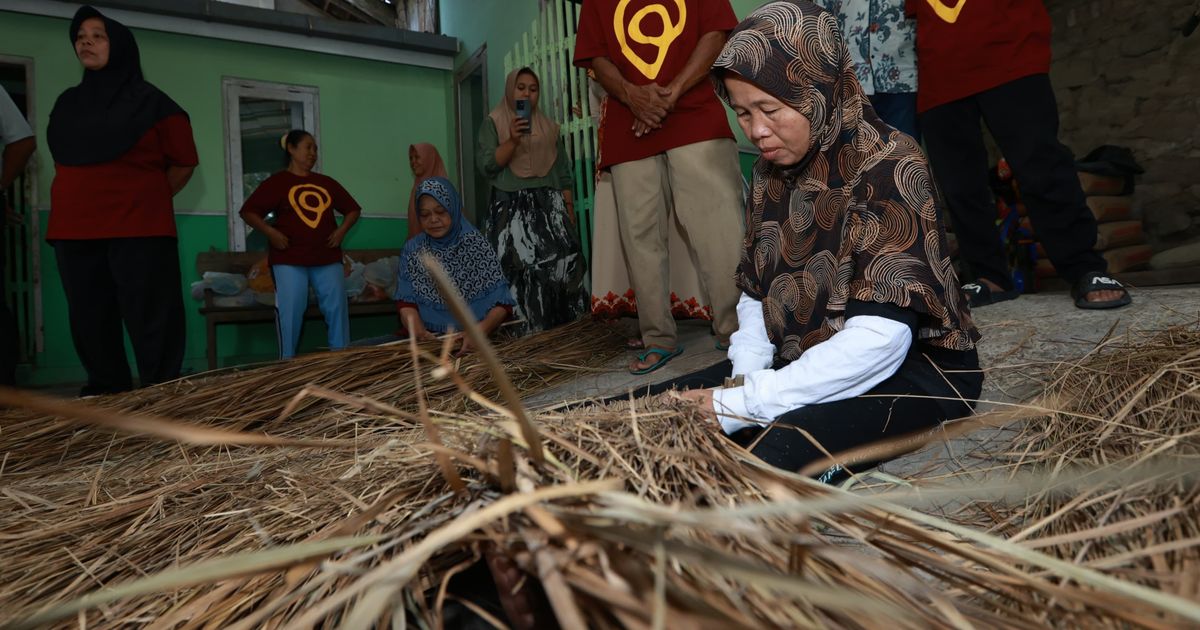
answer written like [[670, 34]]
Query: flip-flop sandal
[[663, 357], [978, 294], [722, 347], [1097, 281]]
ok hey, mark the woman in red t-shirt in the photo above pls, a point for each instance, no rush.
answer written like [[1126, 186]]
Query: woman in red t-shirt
[[122, 149], [306, 242]]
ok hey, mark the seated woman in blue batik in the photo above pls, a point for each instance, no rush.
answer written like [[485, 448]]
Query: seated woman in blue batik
[[466, 256]]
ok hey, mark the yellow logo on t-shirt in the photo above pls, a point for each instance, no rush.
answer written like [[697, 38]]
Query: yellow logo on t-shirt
[[949, 14], [308, 199], [671, 32]]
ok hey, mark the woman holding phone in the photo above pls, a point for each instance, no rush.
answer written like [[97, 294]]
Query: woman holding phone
[[531, 218]]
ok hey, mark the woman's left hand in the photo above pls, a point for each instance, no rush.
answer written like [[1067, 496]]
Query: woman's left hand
[[335, 239], [703, 399]]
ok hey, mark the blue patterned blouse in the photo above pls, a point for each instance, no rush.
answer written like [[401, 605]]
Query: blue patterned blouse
[[881, 42]]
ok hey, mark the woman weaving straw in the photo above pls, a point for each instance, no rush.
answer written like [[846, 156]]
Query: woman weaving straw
[[851, 326], [468, 259]]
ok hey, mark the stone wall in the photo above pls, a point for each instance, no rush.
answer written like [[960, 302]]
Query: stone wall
[[1125, 75]]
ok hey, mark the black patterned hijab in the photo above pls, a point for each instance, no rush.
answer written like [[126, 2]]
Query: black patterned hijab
[[857, 218], [110, 110]]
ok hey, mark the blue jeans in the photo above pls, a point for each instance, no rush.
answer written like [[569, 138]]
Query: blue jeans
[[898, 110], [291, 300]]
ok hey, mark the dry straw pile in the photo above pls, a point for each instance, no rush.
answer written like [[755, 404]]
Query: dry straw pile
[[345, 490], [1131, 403]]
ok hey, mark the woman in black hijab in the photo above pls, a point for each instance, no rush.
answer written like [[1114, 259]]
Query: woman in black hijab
[[122, 150]]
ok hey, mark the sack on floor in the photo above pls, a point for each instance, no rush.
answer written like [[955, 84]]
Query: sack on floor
[[1128, 258], [1107, 208], [1119, 234]]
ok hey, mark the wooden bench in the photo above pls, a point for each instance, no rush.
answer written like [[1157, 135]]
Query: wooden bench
[[241, 262]]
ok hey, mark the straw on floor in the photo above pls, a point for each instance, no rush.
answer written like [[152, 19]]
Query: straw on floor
[[1132, 400], [634, 515]]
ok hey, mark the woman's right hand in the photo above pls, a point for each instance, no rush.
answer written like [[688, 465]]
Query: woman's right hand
[[278, 239], [519, 128]]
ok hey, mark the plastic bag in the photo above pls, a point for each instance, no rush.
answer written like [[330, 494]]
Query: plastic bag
[[373, 294], [225, 283], [198, 288], [381, 275], [259, 277], [356, 280], [382, 272]]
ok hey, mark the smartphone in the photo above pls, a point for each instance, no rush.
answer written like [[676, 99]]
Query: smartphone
[[525, 112]]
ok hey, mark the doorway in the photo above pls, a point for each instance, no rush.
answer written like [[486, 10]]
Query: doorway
[[257, 116], [471, 107]]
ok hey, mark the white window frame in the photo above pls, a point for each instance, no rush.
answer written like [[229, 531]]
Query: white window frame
[[232, 90]]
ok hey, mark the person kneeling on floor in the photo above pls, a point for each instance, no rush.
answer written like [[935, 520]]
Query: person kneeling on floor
[[466, 256], [851, 325]]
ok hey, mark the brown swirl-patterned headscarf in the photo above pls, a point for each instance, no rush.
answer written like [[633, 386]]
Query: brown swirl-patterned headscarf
[[856, 219]]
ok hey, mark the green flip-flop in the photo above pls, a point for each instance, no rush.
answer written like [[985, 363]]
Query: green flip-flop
[[663, 357]]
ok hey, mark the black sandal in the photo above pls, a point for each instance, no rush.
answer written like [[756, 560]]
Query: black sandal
[[979, 294], [1099, 281]]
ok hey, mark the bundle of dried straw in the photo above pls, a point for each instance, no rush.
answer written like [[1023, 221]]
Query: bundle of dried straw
[[1128, 405], [312, 506]]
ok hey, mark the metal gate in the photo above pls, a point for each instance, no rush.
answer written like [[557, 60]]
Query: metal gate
[[21, 232], [20, 252]]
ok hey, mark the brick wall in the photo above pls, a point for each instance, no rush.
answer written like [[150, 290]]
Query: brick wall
[[1125, 75]]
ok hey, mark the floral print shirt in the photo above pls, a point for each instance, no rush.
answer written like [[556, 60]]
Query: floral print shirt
[[881, 42]]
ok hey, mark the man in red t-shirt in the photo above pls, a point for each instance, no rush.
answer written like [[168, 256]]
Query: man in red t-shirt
[[664, 135], [990, 60]]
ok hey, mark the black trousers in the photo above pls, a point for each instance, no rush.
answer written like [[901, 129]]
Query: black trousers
[[1022, 116], [893, 408], [134, 281]]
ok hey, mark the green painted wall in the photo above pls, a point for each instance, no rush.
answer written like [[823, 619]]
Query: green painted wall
[[498, 23], [369, 113]]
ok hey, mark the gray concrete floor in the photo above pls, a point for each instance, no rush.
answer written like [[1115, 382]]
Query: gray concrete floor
[[1018, 336]]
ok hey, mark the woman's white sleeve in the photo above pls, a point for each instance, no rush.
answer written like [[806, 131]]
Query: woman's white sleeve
[[850, 363], [750, 349]]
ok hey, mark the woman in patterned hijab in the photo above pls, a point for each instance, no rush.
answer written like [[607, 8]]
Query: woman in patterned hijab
[[849, 322], [467, 258]]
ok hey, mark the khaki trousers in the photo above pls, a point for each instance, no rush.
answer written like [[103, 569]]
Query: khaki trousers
[[705, 182]]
